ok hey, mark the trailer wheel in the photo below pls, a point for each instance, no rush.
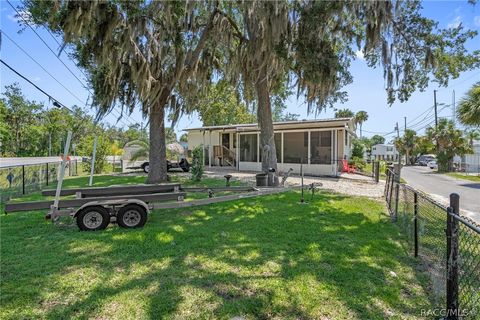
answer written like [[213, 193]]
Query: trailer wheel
[[146, 167], [93, 218], [132, 216]]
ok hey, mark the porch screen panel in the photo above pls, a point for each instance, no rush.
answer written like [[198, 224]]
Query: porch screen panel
[[321, 147], [248, 147], [295, 147], [278, 146]]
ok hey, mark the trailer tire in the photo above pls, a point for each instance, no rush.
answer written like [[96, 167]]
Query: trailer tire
[[146, 167], [93, 218], [132, 216]]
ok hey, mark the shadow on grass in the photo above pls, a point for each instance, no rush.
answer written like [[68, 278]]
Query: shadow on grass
[[335, 258]]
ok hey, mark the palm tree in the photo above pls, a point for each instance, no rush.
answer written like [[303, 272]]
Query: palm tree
[[115, 150], [472, 135], [360, 118], [344, 113], [450, 142], [469, 108], [407, 144]]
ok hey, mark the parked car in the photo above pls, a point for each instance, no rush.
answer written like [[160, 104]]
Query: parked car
[[432, 164], [424, 159], [183, 164]]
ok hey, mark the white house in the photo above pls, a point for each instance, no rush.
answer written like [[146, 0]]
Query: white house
[[386, 152], [319, 144], [471, 162]]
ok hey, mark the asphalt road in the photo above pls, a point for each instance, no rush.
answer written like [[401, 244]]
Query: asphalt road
[[440, 186]]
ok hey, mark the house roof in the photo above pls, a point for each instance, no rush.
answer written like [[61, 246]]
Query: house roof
[[254, 126]]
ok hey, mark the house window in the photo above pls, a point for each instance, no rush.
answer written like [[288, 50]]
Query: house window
[[346, 138], [248, 147], [278, 146], [295, 147], [321, 147]]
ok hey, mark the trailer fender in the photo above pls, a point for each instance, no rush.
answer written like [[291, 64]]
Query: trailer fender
[[117, 203]]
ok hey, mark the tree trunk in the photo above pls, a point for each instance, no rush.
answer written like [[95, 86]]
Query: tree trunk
[[265, 122], [158, 152]]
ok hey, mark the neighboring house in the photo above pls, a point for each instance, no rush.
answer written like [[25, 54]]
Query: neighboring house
[[471, 162], [386, 152], [318, 144]]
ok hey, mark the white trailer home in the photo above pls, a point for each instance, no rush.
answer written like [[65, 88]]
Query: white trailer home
[[319, 144]]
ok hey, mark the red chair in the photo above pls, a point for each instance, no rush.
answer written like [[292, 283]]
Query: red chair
[[347, 168]]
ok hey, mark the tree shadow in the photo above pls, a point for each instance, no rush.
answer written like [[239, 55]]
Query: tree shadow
[[260, 257]]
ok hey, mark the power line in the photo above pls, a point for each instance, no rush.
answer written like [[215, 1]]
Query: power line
[[45, 43], [120, 116], [33, 84], [33, 59], [53, 52], [421, 114]]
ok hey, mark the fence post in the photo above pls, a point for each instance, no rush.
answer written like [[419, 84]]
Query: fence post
[[415, 222], [23, 179], [47, 173], [452, 257], [376, 172], [397, 192]]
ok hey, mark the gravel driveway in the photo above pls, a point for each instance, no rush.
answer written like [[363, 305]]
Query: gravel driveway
[[354, 185]]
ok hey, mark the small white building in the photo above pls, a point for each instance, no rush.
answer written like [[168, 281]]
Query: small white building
[[386, 152], [319, 144], [471, 162]]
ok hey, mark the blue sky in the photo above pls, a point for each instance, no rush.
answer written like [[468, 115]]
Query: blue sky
[[365, 93]]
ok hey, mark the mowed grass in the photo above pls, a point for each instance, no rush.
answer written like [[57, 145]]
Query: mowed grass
[[464, 176], [337, 257]]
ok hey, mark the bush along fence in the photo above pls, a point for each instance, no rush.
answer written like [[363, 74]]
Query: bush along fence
[[448, 245], [374, 172], [23, 179]]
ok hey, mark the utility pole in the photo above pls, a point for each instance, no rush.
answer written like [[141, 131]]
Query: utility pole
[[435, 106], [453, 107], [398, 137], [404, 134], [436, 117], [49, 144]]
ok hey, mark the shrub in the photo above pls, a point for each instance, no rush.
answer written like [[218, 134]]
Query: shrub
[[85, 148], [358, 162], [197, 163], [357, 149]]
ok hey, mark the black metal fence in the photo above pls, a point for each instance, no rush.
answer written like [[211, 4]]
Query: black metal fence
[[448, 245], [23, 179]]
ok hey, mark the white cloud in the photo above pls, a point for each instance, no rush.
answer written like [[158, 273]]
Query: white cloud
[[455, 22], [476, 21], [360, 55], [37, 79]]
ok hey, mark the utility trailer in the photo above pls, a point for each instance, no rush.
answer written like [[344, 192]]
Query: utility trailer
[[127, 205]]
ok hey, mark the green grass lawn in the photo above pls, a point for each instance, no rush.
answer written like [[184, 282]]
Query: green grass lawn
[[464, 176], [338, 257]]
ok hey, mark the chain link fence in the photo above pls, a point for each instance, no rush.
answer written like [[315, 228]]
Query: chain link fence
[[451, 260], [23, 179]]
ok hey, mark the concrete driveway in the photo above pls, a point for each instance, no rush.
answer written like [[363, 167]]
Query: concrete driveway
[[440, 186]]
